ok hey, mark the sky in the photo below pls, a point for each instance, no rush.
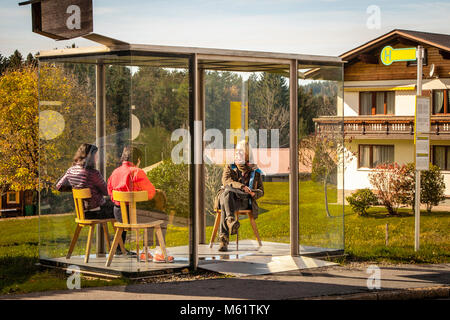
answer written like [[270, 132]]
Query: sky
[[322, 27]]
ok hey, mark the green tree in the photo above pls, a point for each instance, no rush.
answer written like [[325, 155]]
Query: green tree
[[15, 61], [269, 104]]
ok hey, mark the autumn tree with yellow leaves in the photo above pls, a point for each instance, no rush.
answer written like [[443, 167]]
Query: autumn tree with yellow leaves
[[32, 158]]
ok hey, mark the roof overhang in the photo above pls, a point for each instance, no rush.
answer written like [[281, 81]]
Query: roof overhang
[[119, 52], [384, 39]]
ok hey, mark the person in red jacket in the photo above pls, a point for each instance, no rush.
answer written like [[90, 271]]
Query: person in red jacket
[[129, 177]]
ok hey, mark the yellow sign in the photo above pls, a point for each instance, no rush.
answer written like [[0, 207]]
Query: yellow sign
[[389, 55], [236, 120]]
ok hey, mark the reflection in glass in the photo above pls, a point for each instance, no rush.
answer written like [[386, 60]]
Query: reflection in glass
[[322, 157]]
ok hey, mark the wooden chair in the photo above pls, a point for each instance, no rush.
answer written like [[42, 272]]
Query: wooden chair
[[237, 214], [129, 222], [78, 196]]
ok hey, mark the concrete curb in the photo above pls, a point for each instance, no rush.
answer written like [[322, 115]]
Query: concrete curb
[[399, 294]]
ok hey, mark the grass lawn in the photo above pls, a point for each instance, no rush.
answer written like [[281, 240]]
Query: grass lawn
[[364, 237]]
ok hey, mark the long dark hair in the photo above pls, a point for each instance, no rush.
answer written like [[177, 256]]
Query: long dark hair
[[85, 156]]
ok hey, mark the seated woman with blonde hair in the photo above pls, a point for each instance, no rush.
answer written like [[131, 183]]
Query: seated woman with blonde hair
[[241, 187]]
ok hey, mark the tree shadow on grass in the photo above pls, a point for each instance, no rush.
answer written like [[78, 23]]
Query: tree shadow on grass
[[16, 270]]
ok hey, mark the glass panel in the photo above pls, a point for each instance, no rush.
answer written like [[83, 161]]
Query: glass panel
[[253, 107], [159, 136], [366, 103], [390, 101], [146, 102], [383, 154], [322, 158], [438, 101], [439, 157], [364, 156], [380, 103], [448, 100], [69, 159]]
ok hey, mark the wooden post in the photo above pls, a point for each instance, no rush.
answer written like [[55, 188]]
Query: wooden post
[[387, 234]]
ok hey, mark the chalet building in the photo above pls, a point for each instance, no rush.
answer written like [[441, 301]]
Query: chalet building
[[379, 104], [17, 203]]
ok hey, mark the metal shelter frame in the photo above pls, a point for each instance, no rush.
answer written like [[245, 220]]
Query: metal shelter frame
[[200, 59]]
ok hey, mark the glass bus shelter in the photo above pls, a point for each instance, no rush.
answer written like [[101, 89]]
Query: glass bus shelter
[[185, 109]]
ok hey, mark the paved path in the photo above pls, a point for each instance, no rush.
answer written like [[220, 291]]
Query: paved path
[[310, 283]]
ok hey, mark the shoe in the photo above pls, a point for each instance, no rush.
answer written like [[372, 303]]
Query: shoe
[[142, 256], [233, 226], [223, 244], [223, 247], [160, 258], [127, 253]]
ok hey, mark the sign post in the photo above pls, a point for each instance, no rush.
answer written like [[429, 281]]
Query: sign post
[[422, 122]]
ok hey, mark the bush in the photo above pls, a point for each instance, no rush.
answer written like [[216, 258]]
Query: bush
[[361, 200], [387, 182], [432, 187], [173, 179], [396, 185]]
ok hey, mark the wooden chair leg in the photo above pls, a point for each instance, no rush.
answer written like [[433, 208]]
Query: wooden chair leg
[[117, 239], [216, 227], [137, 244], [121, 244], [106, 234], [146, 244], [162, 244], [88, 244], [255, 229], [74, 241]]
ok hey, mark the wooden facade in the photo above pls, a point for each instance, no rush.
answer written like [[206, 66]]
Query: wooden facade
[[17, 203], [358, 70]]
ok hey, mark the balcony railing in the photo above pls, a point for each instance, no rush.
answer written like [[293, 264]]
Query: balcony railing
[[373, 127]]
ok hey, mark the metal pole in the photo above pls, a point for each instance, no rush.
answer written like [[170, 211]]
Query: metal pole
[[293, 159], [201, 168], [100, 133], [194, 168], [417, 204]]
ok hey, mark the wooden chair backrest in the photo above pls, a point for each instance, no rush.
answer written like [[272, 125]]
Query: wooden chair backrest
[[129, 199], [78, 196]]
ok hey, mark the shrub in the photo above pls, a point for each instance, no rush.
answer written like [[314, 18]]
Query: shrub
[[386, 181], [174, 181], [406, 184], [432, 187], [361, 200]]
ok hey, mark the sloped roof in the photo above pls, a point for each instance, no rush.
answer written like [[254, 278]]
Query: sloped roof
[[441, 41]]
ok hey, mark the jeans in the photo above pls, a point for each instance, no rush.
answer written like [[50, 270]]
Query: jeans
[[231, 200], [118, 216], [105, 212]]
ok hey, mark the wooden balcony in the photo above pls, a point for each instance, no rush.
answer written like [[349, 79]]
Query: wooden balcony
[[380, 127]]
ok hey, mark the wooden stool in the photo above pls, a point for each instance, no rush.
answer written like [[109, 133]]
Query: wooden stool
[[237, 213], [129, 222], [78, 196]]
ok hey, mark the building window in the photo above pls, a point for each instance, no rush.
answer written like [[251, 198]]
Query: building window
[[371, 156], [424, 60], [12, 197], [441, 157], [379, 102], [441, 102]]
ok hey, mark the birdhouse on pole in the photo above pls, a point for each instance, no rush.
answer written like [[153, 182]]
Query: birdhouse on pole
[[61, 19]]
